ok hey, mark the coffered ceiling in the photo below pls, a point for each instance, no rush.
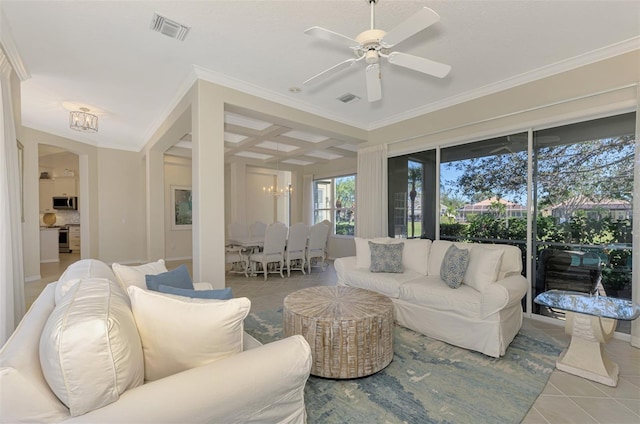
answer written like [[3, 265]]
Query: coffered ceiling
[[259, 142], [103, 55]]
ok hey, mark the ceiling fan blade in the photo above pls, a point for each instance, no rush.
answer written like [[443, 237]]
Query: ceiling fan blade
[[419, 64], [328, 35], [412, 25], [330, 72], [374, 88]]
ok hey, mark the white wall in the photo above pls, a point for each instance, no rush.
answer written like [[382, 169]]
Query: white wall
[[260, 207], [121, 206], [178, 243]]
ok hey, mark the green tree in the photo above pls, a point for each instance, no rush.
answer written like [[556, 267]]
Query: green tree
[[346, 191], [568, 175], [415, 180]]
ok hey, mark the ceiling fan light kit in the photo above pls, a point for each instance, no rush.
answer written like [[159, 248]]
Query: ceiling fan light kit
[[372, 44]]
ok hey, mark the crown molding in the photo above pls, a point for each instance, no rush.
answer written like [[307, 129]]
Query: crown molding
[[182, 91], [204, 74], [254, 90], [11, 50], [594, 56]]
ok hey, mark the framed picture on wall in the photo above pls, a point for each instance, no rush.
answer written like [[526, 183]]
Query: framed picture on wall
[[181, 207]]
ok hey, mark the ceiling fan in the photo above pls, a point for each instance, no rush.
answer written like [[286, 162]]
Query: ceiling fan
[[373, 44]]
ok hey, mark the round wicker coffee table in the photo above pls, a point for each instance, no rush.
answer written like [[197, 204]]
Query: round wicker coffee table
[[350, 330]]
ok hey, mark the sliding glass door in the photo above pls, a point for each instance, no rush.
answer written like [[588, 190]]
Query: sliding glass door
[[583, 200], [581, 213]]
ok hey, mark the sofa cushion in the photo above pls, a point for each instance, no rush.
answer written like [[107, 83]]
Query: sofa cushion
[[178, 278], [84, 268], [436, 255], [386, 257], [220, 294], [416, 254], [90, 350], [182, 333], [484, 264], [454, 265], [383, 283], [432, 292], [363, 253], [135, 275]]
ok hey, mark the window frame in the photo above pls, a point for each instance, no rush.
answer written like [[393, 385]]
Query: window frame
[[332, 209]]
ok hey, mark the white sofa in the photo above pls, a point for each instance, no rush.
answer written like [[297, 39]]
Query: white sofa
[[485, 318], [263, 383]]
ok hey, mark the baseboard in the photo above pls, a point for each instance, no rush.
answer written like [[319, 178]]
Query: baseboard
[[32, 278], [185, 258], [48, 261]]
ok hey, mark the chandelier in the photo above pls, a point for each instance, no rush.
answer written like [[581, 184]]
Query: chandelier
[[80, 120], [278, 192], [274, 190]]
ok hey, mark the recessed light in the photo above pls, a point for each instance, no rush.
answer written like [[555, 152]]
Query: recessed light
[[295, 90]]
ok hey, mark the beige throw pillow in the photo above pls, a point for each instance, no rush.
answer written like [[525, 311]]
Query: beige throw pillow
[[134, 275], [180, 333], [484, 264]]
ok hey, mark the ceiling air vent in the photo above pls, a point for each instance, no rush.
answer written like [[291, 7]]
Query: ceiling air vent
[[168, 27], [348, 98]]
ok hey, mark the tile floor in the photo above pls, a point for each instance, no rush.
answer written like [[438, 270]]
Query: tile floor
[[565, 399]]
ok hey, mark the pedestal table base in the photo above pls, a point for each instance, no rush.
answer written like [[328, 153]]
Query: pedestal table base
[[585, 356]]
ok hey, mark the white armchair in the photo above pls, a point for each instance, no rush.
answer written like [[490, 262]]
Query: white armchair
[[260, 384]]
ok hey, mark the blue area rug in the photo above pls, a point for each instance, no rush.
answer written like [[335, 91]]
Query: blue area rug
[[429, 381]]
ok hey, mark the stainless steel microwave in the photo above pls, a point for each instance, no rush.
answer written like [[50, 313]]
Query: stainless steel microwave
[[68, 203]]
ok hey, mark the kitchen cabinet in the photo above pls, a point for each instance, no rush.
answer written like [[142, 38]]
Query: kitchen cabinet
[[74, 238], [49, 251], [65, 187], [47, 191]]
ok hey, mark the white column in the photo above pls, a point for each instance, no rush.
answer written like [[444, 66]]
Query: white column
[[155, 205], [207, 114]]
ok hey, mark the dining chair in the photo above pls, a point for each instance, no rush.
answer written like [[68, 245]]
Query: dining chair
[[318, 235], [235, 255], [257, 230], [237, 231], [326, 245], [296, 246], [275, 240]]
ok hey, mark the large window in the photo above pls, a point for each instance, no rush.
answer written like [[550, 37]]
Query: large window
[[583, 196], [334, 200]]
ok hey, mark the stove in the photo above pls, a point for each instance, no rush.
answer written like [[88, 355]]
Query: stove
[[63, 240]]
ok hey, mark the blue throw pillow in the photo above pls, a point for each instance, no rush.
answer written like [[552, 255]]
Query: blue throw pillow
[[222, 294], [386, 257], [454, 265], [178, 278]]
